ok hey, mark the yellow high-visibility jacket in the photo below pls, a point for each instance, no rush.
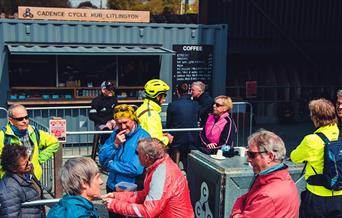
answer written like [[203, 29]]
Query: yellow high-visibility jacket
[[149, 118], [311, 149]]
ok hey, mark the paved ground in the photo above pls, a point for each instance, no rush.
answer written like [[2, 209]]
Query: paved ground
[[292, 134]]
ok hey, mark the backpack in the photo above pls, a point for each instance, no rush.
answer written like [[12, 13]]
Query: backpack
[[332, 168], [7, 139]]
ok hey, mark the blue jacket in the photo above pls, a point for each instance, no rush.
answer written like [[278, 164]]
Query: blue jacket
[[73, 207], [183, 113], [122, 162]]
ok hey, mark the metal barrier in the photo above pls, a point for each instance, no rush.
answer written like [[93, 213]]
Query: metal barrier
[[47, 166], [3, 116]]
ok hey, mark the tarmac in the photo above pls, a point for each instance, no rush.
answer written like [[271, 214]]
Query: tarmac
[[291, 133]]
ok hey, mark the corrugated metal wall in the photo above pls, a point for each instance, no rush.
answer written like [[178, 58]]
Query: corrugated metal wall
[[307, 20], [166, 35]]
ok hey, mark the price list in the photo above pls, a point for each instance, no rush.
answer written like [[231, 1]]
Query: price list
[[193, 63]]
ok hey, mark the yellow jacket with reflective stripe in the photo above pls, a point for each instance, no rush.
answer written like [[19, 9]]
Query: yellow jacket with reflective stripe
[[151, 121], [311, 149], [48, 145]]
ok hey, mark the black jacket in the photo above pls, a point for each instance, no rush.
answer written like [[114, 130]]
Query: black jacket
[[182, 113], [205, 102], [102, 108], [15, 190]]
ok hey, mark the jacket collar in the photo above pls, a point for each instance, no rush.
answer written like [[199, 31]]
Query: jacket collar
[[157, 163], [152, 105], [10, 132], [278, 174]]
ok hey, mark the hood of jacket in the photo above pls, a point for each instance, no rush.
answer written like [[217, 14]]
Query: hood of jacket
[[73, 206]]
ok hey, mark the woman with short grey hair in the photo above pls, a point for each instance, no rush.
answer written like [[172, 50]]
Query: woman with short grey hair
[[81, 182]]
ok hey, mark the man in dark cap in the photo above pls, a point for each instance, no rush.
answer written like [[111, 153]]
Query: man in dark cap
[[101, 112]]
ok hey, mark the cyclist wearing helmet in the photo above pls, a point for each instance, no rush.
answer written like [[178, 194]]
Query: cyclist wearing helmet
[[149, 112]]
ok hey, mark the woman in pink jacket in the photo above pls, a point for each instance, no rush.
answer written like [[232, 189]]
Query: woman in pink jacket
[[220, 128], [273, 192]]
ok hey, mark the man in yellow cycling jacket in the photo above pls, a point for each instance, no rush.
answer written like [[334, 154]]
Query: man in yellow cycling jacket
[[148, 113], [40, 144]]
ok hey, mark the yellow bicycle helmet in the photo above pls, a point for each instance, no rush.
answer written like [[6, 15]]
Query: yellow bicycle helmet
[[155, 87]]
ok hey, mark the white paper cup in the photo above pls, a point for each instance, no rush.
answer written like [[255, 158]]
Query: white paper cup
[[241, 150], [219, 153]]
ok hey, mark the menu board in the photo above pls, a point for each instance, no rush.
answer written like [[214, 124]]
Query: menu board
[[192, 63]]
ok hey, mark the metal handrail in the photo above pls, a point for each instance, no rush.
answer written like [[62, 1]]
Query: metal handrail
[[106, 132]]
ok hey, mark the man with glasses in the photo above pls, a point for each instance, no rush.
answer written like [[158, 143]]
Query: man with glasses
[[149, 112], [273, 192], [40, 144], [117, 154]]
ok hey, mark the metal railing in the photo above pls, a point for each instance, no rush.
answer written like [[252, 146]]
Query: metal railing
[[80, 129]]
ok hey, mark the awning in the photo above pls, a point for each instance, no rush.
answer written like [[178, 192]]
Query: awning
[[69, 49]]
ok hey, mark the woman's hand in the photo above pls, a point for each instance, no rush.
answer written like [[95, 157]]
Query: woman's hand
[[211, 145]]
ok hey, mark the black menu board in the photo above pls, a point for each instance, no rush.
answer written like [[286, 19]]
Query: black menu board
[[192, 63]]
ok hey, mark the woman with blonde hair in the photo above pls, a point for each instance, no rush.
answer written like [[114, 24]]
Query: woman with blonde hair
[[220, 128]]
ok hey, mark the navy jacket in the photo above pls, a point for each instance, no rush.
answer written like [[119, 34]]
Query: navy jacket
[[15, 190], [205, 102], [73, 207], [183, 113]]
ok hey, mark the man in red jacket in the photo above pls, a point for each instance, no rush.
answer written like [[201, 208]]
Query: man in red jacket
[[273, 192], [166, 192]]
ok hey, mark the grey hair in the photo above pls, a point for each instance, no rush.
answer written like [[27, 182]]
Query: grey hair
[[153, 147], [77, 171], [13, 107], [270, 142], [339, 93], [200, 84]]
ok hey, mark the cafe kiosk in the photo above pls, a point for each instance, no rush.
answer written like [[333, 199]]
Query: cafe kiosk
[[59, 57]]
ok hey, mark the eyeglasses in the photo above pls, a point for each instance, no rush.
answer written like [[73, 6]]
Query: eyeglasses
[[253, 154], [20, 118], [218, 105]]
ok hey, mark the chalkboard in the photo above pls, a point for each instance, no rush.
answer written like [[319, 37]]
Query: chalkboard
[[192, 63]]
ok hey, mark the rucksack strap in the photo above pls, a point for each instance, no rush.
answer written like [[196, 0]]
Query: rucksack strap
[[142, 112], [318, 179], [6, 138]]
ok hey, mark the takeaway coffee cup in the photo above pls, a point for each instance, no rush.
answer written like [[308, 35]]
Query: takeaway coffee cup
[[219, 153], [241, 150]]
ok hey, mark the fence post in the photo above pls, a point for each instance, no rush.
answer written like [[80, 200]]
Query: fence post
[[58, 159]]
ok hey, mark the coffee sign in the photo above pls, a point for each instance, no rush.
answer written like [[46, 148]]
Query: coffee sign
[[75, 14]]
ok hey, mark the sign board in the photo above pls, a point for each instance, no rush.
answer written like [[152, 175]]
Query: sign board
[[251, 89], [192, 63], [58, 129], [76, 14]]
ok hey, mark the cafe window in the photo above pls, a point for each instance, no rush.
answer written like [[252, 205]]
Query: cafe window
[[32, 70], [82, 70]]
